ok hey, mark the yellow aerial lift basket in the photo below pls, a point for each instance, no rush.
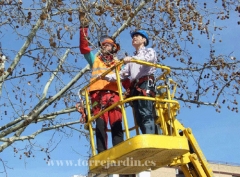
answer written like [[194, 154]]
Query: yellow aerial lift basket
[[174, 146]]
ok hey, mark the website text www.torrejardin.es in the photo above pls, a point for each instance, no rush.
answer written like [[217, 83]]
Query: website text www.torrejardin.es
[[106, 163]]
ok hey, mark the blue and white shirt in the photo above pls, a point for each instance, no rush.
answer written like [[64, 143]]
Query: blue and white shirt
[[135, 71]]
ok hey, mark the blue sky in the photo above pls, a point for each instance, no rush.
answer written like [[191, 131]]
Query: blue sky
[[216, 133]]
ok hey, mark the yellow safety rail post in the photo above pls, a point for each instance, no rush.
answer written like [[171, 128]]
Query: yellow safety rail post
[[169, 108], [167, 123], [160, 110], [89, 123], [135, 122], [121, 101], [160, 106], [174, 87], [172, 108]]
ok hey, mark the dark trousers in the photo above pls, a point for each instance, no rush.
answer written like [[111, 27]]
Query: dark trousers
[[144, 110], [101, 100], [101, 136]]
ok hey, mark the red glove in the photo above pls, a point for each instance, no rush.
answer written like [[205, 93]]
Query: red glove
[[83, 43]]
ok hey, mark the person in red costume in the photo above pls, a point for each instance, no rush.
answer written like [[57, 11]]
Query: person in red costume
[[103, 93]]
